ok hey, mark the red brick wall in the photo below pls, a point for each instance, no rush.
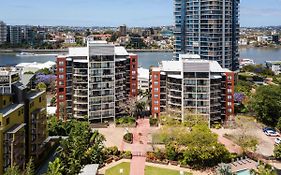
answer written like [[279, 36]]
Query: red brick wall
[[230, 76], [133, 75], [61, 89], [155, 77]]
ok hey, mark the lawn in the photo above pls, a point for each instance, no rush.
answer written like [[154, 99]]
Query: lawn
[[148, 170]]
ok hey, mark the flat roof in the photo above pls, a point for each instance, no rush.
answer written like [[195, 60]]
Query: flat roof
[[11, 108], [84, 51], [143, 73], [91, 169], [14, 129], [34, 94], [175, 76]]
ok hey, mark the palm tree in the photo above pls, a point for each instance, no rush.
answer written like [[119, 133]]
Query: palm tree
[[224, 169]]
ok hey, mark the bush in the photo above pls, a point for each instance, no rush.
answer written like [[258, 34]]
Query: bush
[[277, 152], [112, 151], [153, 122], [126, 155], [126, 121], [128, 138]]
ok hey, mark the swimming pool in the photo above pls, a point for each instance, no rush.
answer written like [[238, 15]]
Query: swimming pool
[[244, 172]]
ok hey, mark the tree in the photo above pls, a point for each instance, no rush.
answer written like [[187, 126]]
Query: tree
[[171, 151], [44, 71], [81, 148], [277, 151], [129, 106], [224, 169], [55, 167], [41, 86], [264, 169], [13, 170], [30, 169], [266, 103]]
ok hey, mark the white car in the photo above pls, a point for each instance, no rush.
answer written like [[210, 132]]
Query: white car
[[277, 140], [271, 133]]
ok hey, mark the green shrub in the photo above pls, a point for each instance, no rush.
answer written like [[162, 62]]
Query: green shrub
[[128, 137], [153, 121]]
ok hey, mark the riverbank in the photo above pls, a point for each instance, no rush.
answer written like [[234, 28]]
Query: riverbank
[[66, 50]]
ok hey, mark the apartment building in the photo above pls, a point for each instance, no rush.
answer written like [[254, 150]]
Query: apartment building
[[192, 85], [208, 28], [23, 121], [92, 81], [14, 35], [3, 32]]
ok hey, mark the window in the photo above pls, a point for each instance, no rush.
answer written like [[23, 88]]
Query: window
[[156, 83], [156, 108], [156, 95], [156, 89], [229, 90], [155, 76], [7, 121], [229, 97], [229, 104], [61, 63], [229, 78], [18, 113], [229, 110], [61, 83], [31, 104], [61, 97], [61, 76], [61, 70], [4, 102], [40, 99], [156, 102]]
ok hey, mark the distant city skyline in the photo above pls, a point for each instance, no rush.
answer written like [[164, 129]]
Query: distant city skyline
[[253, 13]]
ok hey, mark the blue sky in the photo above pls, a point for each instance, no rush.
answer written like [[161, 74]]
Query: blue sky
[[117, 12]]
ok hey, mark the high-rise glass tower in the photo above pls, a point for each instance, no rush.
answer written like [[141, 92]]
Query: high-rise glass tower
[[209, 28]]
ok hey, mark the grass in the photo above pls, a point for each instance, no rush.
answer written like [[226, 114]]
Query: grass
[[116, 170], [148, 170]]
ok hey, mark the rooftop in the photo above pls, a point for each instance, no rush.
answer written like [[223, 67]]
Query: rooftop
[[34, 94], [90, 169], [9, 109], [143, 73], [47, 64], [14, 129]]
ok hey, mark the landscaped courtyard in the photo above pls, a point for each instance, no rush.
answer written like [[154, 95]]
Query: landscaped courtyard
[[148, 170]]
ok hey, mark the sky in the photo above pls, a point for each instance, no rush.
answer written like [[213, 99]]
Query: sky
[[253, 13]]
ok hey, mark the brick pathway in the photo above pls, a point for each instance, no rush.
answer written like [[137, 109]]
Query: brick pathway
[[139, 147]]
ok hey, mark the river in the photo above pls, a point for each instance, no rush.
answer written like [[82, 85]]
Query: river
[[146, 59]]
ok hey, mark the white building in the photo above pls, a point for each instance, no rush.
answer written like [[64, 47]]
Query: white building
[[69, 39], [33, 67], [275, 66], [143, 79]]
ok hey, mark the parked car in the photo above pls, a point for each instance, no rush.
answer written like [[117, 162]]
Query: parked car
[[271, 132], [277, 140]]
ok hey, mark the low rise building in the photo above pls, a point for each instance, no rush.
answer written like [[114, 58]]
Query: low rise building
[[275, 66], [23, 121], [193, 86], [143, 79], [34, 67]]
